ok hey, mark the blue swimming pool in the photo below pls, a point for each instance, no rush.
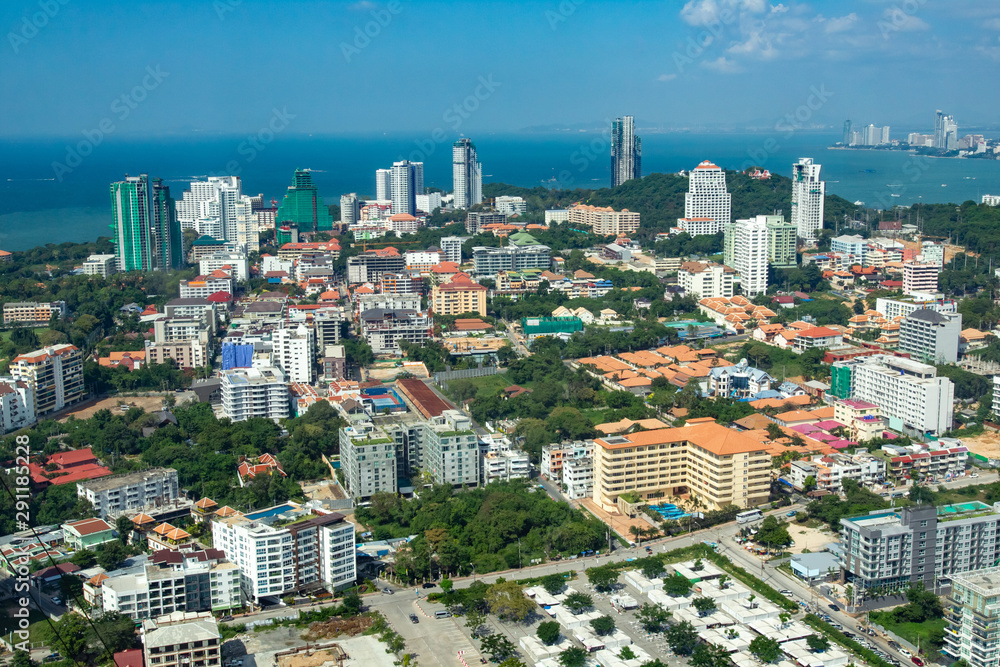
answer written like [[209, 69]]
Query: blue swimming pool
[[274, 511]]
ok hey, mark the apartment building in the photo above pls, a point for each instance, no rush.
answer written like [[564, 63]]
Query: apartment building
[[286, 548], [555, 456], [707, 197], [111, 496], [720, 466], [452, 247], [174, 581], [176, 329], [461, 295], [698, 226], [295, 353], [739, 381], [100, 265], [289, 252], [186, 354], [182, 640], [488, 261], [829, 472], [54, 374], [498, 461], [383, 329], [892, 549], [931, 336], [255, 392], [706, 280], [973, 618], [233, 263], [189, 308], [909, 393], [578, 477], [32, 313], [369, 266], [368, 459], [604, 220], [920, 278], [451, 453], [510, 205], [476, 222], [17, 405], [935, 462], [203, 287], [902, 307], [383, 301]]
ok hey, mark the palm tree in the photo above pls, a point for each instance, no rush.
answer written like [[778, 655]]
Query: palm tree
[[637, 532]]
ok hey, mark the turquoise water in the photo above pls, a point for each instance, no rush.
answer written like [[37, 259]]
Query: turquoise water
[[36, 207], [264, 514]]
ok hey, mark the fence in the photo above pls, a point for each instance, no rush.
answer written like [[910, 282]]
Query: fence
[[482, 371]]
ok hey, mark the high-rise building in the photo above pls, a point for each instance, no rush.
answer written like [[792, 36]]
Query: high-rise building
[[808, 198], [451, 453], [939, 129], [973, 616], [626, 151], [295, 353], [210, 206], [54, 375], [782, 238], [418, 178], [368, 459], [254, 392], [750, 251], [147, 236], [383, 184], [302, 206], [350, 209], [452, 247], [707, 196], [466, 174], [177, 640], [112, 496], [847, 132], [403, 187], [705, 280], [17, 405], [920, 278], [931, 336]]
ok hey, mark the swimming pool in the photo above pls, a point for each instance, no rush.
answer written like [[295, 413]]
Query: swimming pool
[[274, 511]]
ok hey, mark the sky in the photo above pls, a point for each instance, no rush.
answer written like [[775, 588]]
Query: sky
[[230, 67]]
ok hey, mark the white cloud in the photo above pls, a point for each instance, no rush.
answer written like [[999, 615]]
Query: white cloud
[[363, 6], [992, 24], [703, 12], [900, 21], [840, 24], [666, 77], [778, 9], [723, 65], [991, 52], [757, 45]]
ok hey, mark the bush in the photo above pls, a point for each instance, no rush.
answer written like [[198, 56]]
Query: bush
[[548, 632]]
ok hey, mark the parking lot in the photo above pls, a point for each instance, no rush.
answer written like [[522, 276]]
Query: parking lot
[[436, 642]]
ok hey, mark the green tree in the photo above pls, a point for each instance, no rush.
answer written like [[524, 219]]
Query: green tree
[[507, 601], [548, 632], [553, 583], [817, 643], [603, 579], [498, 647], [709, 655], [765, 648], [627, 653], [652, 617], [85, 558], [22, 659], [676, 585], [921, 495], [809, 484], [574, 656], [123, 525], [474, 619], [682, 638], [578, 602], [704, 605], [603, 625], [446, 585], [111, 555], [652, 568], [352, 604], [772, 532]]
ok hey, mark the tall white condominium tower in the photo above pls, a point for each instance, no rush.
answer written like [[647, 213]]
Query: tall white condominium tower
[[808, 195], [404, 188], [350, 209], [210, 206], [383, 184], [750, 254], [707, 196], [466, 174], [626, 151]]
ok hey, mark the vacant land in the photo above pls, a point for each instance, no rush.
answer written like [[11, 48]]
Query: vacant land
[[87, 409]]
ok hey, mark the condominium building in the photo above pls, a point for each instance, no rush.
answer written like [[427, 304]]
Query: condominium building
[[707, 196], [920, 278], [368, 460], [488, 261], [385, 301], [350, 209], [893, 549], [203, 287], [555, 456], [720, 466], [893, 308], [286, 548], [255, 392], [909, 393], [184, 309], [403, 184], [626, 151], [476, 221], [498, 461], [190, 353], [740, 381], [852, 245], [829, 472], [369, 266], [182, 640], [147, 235], [54, 374], [32, 313], [750, 252], [698, 226], [578, 477], [17, 405], [100, 265], [931, 336], [973, 618], [214, 198], [451, 453], [808, 198], [302, 207], [467, 174], [604, 220], [295, 353], [111, 496], [452, 247], [510, 205], [706, 280], [461, 295], [781, 242], [175, 581], [383, 185], [233, 263], [556, 215], [383, 329], [429, 202]]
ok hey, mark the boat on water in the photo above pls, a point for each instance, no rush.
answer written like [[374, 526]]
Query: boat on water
[[894, 195]]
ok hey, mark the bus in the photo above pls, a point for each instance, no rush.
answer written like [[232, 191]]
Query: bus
[[749, 515]]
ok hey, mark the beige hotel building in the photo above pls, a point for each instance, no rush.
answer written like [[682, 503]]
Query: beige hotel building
[[717, 464]]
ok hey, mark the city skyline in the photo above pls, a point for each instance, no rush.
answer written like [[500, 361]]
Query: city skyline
[[750, 64]]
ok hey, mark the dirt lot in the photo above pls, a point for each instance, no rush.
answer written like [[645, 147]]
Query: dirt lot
[[87, 410], [987, 444], [812, 539]]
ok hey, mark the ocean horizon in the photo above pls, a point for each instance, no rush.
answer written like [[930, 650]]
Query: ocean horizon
[[50, 192]]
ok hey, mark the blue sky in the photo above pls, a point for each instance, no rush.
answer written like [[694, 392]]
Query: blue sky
[[238, 66]]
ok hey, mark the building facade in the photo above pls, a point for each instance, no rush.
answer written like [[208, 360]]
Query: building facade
[[255, 392], [111, 496], [626, 151], [707, 197], [54, 374], [368, 459], [457, 297], [32, 313], [147, 235], [451, 453], [931, 336], [100, 265], [604, 220], [488, 261], [466, 174], [973, 618], [17, 405], [750, 252], [384, 329], [782, 239], [808, 198], [184, 641], [920, 278], [706, 280], [295, 353]]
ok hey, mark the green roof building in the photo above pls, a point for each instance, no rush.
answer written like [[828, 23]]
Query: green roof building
[[533, 327], [522, 239], [303, 207], [146, 233]]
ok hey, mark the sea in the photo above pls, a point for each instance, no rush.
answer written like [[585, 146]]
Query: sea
[[57, 190]]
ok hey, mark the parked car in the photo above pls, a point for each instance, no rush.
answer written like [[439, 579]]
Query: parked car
[[917, 661], [226, 619], [893, 644], [414, 619], [975, 474], [57, 600], [387, 591], [792, 513], [904, 652], [785, 591], [428, 585], [833, 607]]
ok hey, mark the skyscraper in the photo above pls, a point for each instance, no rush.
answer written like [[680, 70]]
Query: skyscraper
[[626, 151], [147, 236], [847, 132], [403, 187], [808, 196], [750, 253], [466, 174], [303, 207], [418, 178], [383, 184], [209, 206], [350, 209], [939, 129], [707, 196]]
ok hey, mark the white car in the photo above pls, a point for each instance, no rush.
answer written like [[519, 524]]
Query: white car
[[905, 653]]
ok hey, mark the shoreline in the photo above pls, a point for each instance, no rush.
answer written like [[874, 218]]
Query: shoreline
[[910, 151]]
